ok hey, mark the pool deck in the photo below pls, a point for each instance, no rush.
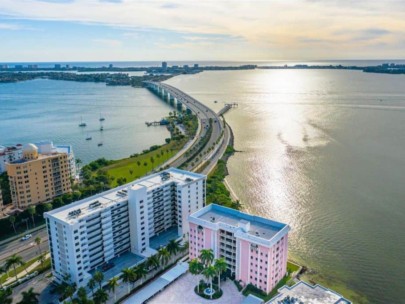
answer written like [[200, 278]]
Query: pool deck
[[163, 238], [125, 260]]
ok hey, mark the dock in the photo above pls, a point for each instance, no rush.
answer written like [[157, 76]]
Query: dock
[[227, 107]]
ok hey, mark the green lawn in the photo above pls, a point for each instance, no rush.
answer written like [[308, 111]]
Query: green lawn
[[134, 167], [19, 269], [291, 267]]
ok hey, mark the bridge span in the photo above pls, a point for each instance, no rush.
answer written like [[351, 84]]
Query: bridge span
[[211, 125]]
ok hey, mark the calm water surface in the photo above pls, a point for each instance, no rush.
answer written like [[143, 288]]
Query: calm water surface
[[323, 151], [49, 109]]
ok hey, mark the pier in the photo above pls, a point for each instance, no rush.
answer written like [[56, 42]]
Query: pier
[[227, 107]]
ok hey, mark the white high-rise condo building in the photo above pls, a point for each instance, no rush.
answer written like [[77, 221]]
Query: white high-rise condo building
[[122, 226]]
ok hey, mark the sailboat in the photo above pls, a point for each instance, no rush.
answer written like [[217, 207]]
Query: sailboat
[[100, 144], [101, 118], [82, 124], [88, 137], [101, 127]]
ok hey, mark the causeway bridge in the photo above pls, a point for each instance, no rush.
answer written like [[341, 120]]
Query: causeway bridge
[[183, 101]]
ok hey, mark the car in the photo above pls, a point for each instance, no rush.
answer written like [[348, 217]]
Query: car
[[26, 237]]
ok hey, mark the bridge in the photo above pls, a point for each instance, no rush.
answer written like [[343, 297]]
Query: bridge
[[210, 125]]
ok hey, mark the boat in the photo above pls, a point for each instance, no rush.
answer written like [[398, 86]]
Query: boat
[[215, 101], [101, 118], [100, 144], [101, 128], [82, 124], [88, 137]]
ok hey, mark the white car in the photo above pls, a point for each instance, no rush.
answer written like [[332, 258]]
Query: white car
[[26, 237]]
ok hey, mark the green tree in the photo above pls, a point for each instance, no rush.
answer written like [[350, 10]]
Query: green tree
[[112, 285], [82, 297], [38, 242], [128, 276], [12, 221], [13, 261], [98, 277], [48, 207], [91, 284], [42, 259], [209, 272], [220, 266], [164, 255], [196, 267], [131, 171], [173, 247], [100, 297], [185, 246], [140, 272], [29, 297], [152, 161], [32, 211], [138, 163], [69, 291], [5, 296], [206, 256], [152, 262]]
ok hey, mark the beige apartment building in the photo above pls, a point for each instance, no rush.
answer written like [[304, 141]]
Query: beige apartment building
[[38, 178]]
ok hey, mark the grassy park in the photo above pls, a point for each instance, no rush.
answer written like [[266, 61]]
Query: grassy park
[[137, 166]]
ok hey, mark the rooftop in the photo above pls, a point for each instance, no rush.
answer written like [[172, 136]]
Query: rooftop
[[253, 225], [73, 212], [303, 292]]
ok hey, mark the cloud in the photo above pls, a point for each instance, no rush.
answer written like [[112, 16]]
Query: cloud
[[108, 42]]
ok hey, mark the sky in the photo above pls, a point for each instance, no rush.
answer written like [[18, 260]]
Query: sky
[[234, 30]]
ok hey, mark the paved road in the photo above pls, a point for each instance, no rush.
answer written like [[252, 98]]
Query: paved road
[[203, 112], [27, 249]]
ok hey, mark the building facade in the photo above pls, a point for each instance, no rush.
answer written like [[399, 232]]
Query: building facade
[[38, 178], [254, 248], [92, 232], [14, 153], [8, 155]]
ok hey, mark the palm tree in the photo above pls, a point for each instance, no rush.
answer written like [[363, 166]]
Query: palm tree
[[12, 221], [173, 247], [140, 272], [196, 267], [112, 285], [29, 297], [128, 276], [2, 270], [185, 246], [101, 296], [13, 261], [152, 262], [91, 284], [42, 260], [69, 291], [48, 207], [98, 277], [32, 211], [82, 296], [220, 266], [5, 296], [164, 255], [206, 256], [209, 273], [38, 242]]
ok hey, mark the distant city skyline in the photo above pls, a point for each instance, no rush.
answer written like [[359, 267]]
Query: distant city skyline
[[125, 30]]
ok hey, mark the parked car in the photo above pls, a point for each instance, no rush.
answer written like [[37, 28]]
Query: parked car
[[26, 237]]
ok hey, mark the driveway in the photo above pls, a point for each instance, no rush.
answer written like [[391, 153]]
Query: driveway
[[182, 292]]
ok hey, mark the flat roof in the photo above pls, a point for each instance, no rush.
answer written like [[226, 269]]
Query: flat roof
[[119, 194], [259, 226], [308, 294]]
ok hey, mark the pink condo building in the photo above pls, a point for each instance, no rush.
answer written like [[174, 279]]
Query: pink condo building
[[255, 248]]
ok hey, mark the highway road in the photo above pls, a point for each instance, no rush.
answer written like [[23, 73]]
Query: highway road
[[26, 249], [204, 113]]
